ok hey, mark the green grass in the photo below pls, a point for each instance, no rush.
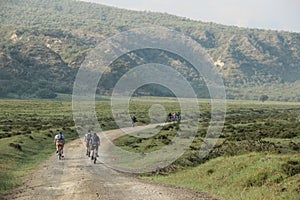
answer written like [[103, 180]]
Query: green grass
[[20, 154], [148, 140], [249, 127], [68, 97], [27, 129], [256, 157], [249, 176]]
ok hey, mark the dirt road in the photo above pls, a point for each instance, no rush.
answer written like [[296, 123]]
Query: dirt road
[[76, 177]]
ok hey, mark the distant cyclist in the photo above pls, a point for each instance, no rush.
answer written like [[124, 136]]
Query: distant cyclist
[[59, 140], [133, 121], [87, 140], [95, 142]]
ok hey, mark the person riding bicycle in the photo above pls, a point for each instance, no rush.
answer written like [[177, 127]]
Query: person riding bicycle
[[87, 140], [133, 121], [59, 140], [95, 142]]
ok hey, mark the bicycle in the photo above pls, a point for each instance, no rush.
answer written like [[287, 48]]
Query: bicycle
[[59, 150]]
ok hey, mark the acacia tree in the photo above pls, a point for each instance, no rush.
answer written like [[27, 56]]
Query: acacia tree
[[46, 94], [263, 98]]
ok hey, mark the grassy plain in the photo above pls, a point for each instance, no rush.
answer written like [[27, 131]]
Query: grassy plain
[[27, 129], [256, 157]]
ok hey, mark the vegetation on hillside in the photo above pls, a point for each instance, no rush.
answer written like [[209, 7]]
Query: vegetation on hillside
[[44, 42]]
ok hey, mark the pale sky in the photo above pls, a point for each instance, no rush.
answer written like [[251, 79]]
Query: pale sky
[[265, 14]]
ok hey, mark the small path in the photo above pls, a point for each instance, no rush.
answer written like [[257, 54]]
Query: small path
[[77, 178]]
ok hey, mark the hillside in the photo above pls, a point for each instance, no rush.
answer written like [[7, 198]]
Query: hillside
[[43, 43]]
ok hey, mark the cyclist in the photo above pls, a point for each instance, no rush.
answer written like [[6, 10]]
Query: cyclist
[[59, 140], [133, 121], [87, 140], [95, 142]]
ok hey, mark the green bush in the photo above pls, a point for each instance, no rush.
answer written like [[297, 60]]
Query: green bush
[[258, 180], [291, 167], [46, 94]]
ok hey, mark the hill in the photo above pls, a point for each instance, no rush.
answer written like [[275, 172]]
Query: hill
[[44, 42]]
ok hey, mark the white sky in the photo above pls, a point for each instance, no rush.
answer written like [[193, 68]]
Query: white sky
[[266, 14]]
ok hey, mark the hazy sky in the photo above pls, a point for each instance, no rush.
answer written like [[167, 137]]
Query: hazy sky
[[266, 14]]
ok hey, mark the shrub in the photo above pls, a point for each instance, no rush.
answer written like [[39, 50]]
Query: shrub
[[263, 98], [291, 167], [16, 146], [46, 94], [257, 180], [210, 171]]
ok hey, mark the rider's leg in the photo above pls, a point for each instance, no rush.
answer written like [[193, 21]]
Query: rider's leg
[[92, 153], [87, 146], [97, 155]]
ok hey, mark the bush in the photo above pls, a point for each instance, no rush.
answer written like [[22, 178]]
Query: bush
[[291, 168], [263, 98], [16, 146], [46, 94], [258, 180], [210, 171]]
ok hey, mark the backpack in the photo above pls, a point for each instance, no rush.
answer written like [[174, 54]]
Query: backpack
[[88, 136], [60, 137], [134, 119], [96, 138]]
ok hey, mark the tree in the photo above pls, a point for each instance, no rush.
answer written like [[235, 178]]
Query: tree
[[46, 94], [263, 98], [3, 92]]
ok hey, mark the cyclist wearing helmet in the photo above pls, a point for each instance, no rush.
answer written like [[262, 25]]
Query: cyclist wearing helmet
[[95, 142], [59, 140]]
